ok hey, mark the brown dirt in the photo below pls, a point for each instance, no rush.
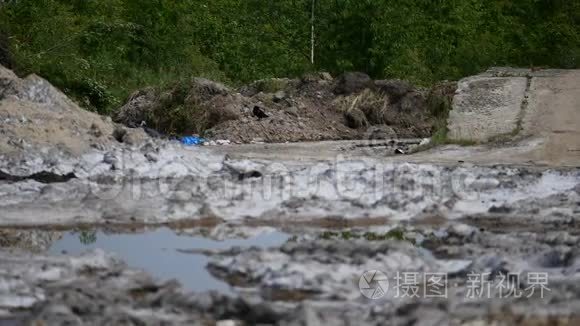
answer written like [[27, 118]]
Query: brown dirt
[[282, 110]]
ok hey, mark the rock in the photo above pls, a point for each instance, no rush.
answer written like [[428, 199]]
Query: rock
[[381, 132], [110, 158], [228, 322], [257, 141], [153, 133], [462, 230], [95, 131], [7, 80], [222, 142], [425, 142], [151, 157], [119, 133], [395, 89], [259, 112], [326, 76], [500, 209], [223, 108], [355, 119], [353, 82], [508, 72], [279, 96], [135, 136], [486, 107]]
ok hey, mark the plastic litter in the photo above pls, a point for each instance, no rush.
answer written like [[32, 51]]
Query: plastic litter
[[192, 140]]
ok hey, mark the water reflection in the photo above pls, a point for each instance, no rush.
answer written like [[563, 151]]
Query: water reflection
[[88, 237], [160, 252]]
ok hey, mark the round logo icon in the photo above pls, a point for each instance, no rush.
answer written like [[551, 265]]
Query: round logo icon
[[373, 284]]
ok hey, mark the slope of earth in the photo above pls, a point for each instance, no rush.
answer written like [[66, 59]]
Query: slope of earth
[[315, 107]]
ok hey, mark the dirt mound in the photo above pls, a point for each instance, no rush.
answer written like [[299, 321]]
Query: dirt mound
[[314, 107], [35, 115]]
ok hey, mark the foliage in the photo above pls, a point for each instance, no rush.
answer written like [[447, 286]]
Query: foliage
[[394, 234], [88, 237], [99, 51]]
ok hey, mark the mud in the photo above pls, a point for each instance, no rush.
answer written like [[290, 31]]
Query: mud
[[124, 187], [312, 278]]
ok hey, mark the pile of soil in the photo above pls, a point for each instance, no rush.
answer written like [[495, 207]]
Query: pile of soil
[[314, 107], [34, 116]]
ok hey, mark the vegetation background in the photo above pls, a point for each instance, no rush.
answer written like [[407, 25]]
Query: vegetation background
[[98, 51]]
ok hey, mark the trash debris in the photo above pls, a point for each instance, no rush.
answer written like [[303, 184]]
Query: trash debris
[[219, 142], [257, 141], [425, 141], [399, 151], [223, 142], [192, 140]]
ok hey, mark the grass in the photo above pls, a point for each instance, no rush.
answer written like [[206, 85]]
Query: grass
[[374, 106], [271, 85], [394, 234], [440, 138]]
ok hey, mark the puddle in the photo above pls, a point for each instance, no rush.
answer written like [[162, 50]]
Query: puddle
[[157, 253]]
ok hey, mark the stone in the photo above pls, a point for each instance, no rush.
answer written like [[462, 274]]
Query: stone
[[326, 76], [221, 109], [135, 136], [259, 112], [486, 107], [353, 82], [95, 131], [380, 132], [395, 89], [222, 142], [279, 96]]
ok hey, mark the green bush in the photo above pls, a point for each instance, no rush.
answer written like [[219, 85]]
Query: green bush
[[100, 51]]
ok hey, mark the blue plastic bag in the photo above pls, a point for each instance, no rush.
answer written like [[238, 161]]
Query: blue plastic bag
[[192, 140]]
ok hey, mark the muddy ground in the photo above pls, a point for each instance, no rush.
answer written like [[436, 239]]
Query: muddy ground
[[499, 221]]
